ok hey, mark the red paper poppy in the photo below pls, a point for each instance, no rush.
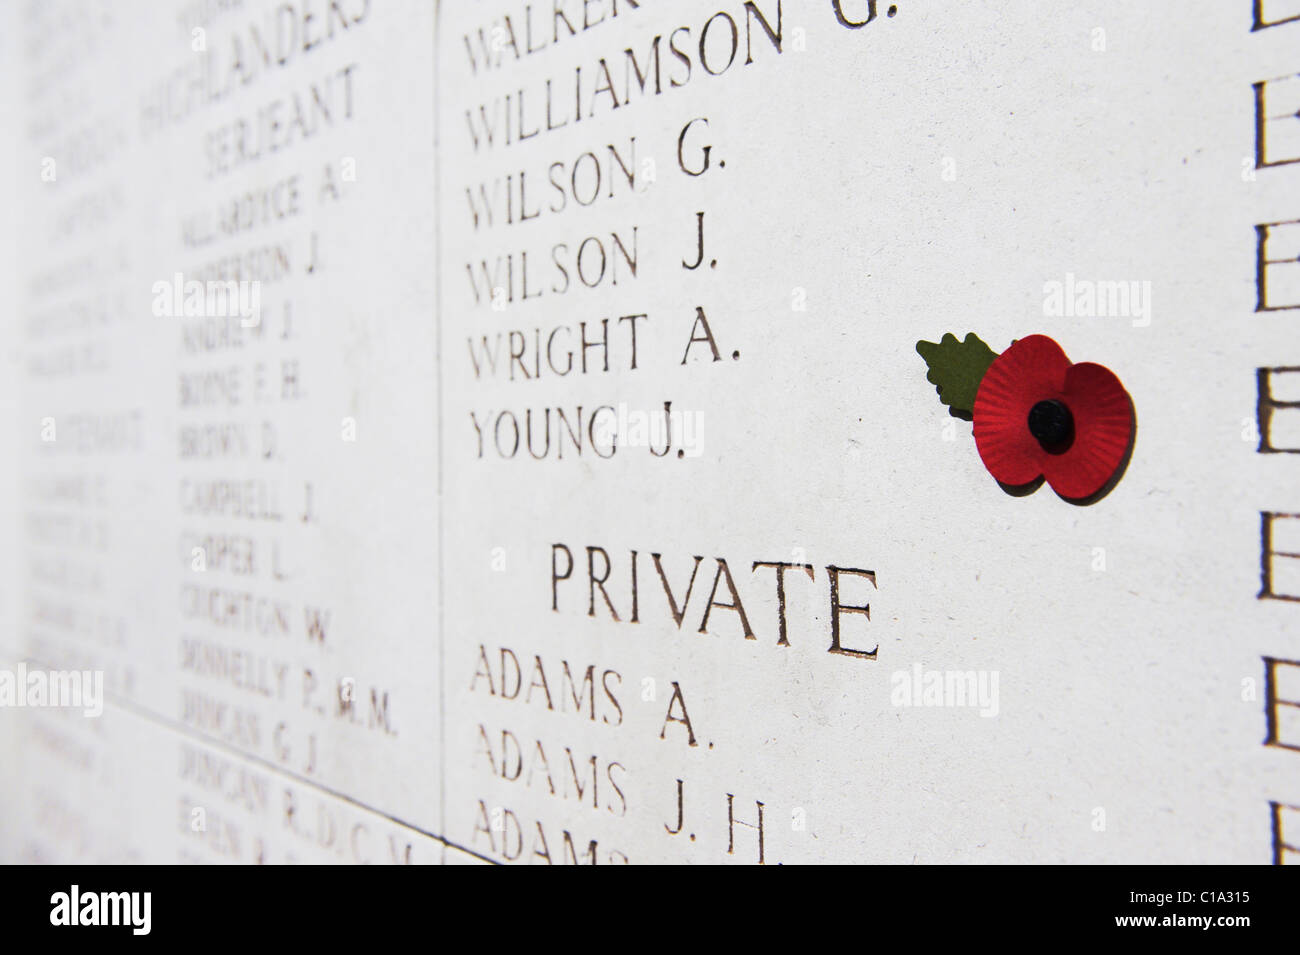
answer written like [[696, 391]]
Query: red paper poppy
[[1037, 415]]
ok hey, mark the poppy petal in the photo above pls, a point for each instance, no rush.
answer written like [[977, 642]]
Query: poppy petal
[[1103, 428], [1032, 369]]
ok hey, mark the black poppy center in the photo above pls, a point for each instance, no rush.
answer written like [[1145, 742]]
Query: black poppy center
[[1052, 424]]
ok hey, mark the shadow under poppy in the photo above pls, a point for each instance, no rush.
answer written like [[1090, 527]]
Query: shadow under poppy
[[1022, 490]]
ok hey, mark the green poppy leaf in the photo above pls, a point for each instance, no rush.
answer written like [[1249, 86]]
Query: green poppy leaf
[[957, 368]]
